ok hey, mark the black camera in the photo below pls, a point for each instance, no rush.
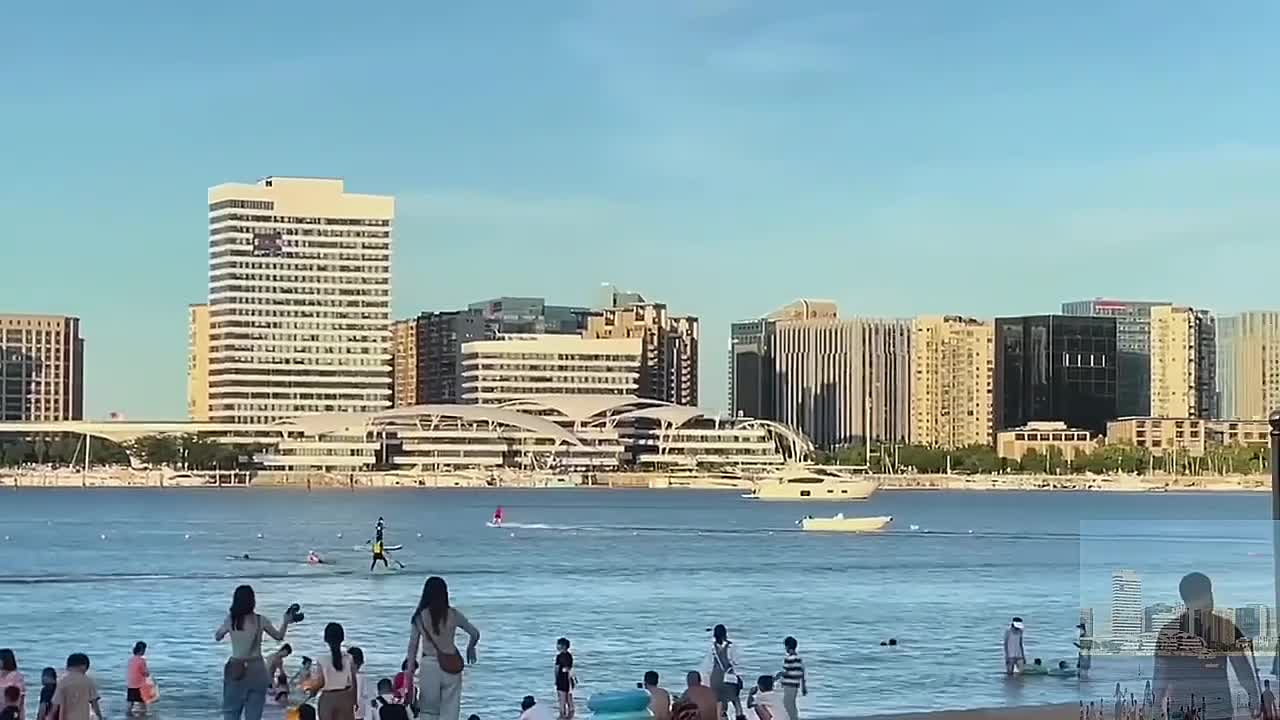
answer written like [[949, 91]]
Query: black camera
[[295, 613]]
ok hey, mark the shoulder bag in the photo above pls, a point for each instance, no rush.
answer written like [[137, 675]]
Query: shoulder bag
[[450, 663]]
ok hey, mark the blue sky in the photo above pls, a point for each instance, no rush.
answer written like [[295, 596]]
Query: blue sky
[[725, 156]]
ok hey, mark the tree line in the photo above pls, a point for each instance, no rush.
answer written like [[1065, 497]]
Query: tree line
[[1108, 458], [189, 452]]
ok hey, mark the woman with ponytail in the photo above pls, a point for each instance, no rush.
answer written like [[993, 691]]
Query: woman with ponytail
[[335, 678]]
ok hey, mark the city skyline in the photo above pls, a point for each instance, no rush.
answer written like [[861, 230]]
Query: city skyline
[[724, 156]]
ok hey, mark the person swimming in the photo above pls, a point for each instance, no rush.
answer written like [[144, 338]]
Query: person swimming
[[314, 559]]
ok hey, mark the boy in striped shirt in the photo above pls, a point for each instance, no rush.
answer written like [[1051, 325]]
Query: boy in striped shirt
[[792, 677]]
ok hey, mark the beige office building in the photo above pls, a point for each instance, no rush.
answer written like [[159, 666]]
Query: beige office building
[[198, 362], [840, 381], [517, 367], [41, 368], [404, 360], [1183, 366], [1186, 434], [952, 361], [1248, 365], [1042, 436], [669, 359], [299, 300]]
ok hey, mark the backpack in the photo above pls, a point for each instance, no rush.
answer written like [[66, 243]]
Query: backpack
[[391, 711]]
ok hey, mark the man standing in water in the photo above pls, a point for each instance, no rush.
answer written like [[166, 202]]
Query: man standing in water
[[1014, 654], [1180, 675], [379, 552]]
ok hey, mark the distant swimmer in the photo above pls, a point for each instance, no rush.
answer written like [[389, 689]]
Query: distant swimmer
[[497, 516], [314, 559]]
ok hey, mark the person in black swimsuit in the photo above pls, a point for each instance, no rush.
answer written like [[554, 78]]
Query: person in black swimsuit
[[564, 678]]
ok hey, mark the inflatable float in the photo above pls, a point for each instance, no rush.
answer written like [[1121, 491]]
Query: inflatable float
[[620, 702]]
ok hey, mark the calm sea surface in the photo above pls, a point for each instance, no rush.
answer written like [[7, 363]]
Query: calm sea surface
[[634, 578]]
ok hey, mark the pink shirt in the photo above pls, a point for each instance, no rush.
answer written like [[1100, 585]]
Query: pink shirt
[[135, 674]]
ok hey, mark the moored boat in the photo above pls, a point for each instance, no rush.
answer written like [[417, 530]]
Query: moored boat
[[840, 523], [813, 484]]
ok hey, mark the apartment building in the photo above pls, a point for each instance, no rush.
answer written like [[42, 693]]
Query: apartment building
[[1183, 363], [198, 362], [299, 299], [669, 363], [952, 363], [41, 368], [1248, 358]]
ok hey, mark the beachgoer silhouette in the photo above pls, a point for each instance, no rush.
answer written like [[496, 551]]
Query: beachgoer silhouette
[[1194, 650]]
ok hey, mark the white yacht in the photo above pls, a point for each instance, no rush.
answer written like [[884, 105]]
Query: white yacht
[[813, 483]]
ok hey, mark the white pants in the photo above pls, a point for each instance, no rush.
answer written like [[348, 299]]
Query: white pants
[[439, 693]]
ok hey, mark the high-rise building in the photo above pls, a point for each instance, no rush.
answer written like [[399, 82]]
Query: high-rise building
[[1055, 367], [751, 369], [198, 362], [669, 365], [529, 316], [839, 381], [1183, 366], [1086, 619], [953, 359], [518, 367], [752, 364], [41, 368], [299, 299], [1126, 604], [1248, 356], [404, 362], [1133, 348]]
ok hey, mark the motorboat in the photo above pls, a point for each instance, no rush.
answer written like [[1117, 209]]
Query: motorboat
[[813, 483], [840, 523]]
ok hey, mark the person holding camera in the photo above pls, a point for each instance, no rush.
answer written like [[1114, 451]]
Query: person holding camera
[[433, 631], [244, 677]]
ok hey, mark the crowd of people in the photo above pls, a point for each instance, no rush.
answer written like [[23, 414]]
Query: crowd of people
[[334, 686]]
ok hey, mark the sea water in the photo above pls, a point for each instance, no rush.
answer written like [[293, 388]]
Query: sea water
[[634, 578]]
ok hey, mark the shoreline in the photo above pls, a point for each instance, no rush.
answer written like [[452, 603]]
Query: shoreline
[[123, 478]]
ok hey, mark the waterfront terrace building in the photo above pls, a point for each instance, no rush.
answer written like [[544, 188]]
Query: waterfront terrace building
[[299, 300], [518, 366], [41, 368]]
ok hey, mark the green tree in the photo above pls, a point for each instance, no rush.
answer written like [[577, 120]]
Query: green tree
[[64, 450], [1031, 461], [976, 459], [17, 452], [159, 450]]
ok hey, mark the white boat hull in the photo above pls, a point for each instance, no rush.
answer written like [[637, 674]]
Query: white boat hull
[[844, 524]]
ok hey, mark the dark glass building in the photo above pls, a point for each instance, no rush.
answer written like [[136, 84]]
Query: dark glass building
[[1056, 367], [1133, 348]]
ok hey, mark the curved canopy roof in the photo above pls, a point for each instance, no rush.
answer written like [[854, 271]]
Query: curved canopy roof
[[479, 413], [675, 415], [583, 407]]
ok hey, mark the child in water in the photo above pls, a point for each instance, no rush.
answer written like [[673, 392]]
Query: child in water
[[564, 677]]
